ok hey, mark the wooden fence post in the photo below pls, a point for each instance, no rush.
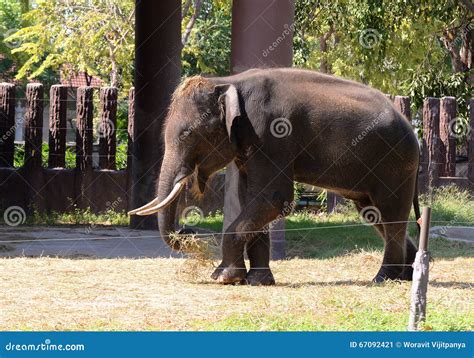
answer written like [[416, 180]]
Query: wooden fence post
[[84, 135], [34, 125], [430, 151], [84, 138], [420, 275], [402, 103], [7, 124], [447, 143], [32, 168], [57, 126], [107, 125], [470, 169]]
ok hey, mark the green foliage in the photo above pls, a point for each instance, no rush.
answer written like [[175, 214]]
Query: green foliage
[[298, 189], [395, 46], [19, 157], [208, 48], [451, 205], [95, 37], [98, 38], [122, 122], [121, 157], [79, 217], [10, 21], [323, 197]]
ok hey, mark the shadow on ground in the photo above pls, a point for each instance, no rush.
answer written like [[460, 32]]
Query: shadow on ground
[[78, 242]]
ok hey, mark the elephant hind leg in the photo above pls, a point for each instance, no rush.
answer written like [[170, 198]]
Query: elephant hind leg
[[399, 250], [363, 207]]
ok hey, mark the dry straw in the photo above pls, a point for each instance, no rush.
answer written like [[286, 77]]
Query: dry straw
[[201, 254]]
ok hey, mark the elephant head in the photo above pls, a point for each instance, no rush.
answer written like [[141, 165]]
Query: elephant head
[[198, 142]]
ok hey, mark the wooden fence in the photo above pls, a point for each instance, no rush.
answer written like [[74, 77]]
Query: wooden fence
[[441, 128], [56, 188]]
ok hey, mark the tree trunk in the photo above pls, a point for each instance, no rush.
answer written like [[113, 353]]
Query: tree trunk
[[158, 71], [192, 21], [324, 66]]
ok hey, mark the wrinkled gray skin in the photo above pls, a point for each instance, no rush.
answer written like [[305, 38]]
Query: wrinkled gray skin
[[346, 137]]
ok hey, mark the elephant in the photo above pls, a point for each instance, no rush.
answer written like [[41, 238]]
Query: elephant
[[281, 125]]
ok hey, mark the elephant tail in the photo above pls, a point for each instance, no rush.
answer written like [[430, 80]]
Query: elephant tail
[[416, 204]]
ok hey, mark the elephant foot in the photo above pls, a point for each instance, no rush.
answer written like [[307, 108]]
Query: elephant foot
[[229, 274], [393, 273], [260, 277]]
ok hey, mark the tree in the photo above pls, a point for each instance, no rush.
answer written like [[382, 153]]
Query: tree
[[10, 22], [207, 37], [94, 37], [416, 47], [97, 38]]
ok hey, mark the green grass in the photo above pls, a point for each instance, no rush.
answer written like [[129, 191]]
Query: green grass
[[324, 235], [319, 235], [363, 319], [78, 217]]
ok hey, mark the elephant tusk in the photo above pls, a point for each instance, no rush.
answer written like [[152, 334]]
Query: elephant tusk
[[146, 206], [155, 206]]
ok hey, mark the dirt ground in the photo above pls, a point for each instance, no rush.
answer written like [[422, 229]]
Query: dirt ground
[[161, 294]]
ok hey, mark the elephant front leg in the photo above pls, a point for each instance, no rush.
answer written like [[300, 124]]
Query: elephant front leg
[[247, 230], [264, 190], [258, 252], [232, 268]]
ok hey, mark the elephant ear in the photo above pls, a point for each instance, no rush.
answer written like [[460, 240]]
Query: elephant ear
[[229, 97]]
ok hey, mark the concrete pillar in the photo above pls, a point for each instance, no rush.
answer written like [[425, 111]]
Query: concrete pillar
[[262, 36], [157, 73]]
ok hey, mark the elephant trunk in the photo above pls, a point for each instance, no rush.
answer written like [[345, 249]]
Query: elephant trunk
[[167, 216], [170, 182]]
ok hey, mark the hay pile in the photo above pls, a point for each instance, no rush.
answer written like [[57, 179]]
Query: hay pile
[[201, 255]]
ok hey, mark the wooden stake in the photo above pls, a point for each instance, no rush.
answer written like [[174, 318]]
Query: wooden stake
[[420, 275], [7, 124]]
